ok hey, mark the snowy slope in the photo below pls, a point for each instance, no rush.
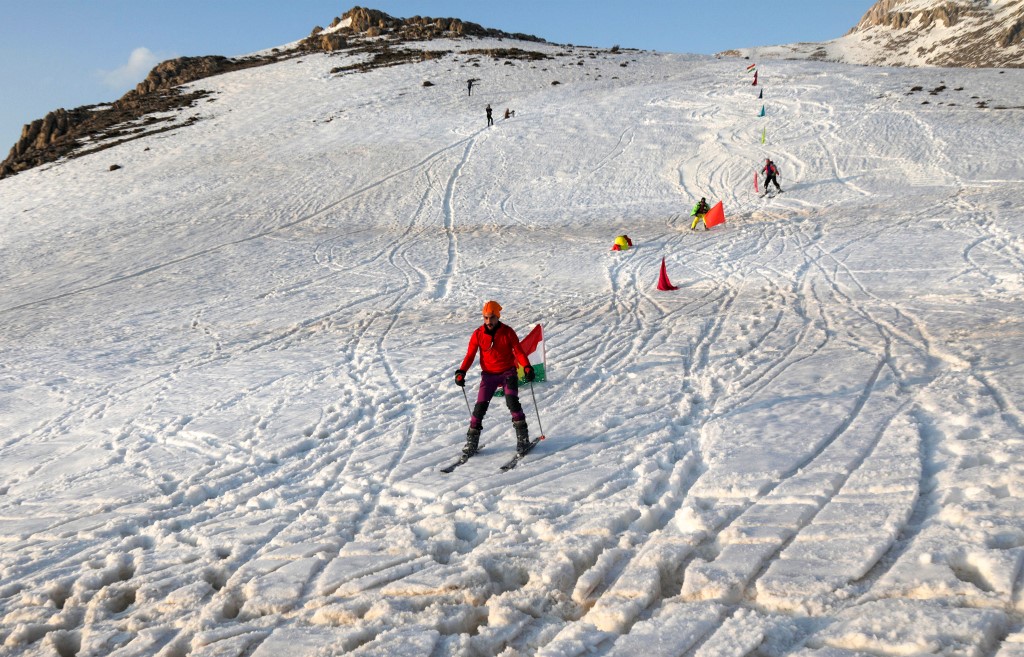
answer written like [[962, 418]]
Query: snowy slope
[[225, 377]]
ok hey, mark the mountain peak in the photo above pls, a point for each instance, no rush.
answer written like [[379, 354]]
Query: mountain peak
[[372, 23], [947, 33], [956, 33]]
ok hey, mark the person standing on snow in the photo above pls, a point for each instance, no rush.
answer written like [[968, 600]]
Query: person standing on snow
[[490, 119], [698, 213], [499, 351], [770, 172]]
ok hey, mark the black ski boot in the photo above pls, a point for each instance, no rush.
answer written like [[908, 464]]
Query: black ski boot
[[472, 442], [522, 436]]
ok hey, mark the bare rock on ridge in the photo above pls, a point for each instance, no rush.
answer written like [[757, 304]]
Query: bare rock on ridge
[[62, 131], [960, 33], [948, 33], [371, 23]]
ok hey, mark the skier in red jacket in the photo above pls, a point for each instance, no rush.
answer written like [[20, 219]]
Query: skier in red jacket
[[499, 351], [770, 172]]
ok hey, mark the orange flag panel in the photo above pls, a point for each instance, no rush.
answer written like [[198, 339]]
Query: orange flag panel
[[715, 216]]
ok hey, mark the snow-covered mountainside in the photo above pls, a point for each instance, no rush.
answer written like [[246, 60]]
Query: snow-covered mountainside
[[949, 33], [158, 104], [226, 367]]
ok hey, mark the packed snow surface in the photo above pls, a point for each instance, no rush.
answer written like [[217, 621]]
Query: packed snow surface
[[226, 368]]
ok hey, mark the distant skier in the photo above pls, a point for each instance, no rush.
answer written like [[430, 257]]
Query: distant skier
[[490, 119], [770, 172], [471, 81], [499, 351], [698, 213]]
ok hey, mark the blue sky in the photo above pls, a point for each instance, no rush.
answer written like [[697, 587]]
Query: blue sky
[[66, 53]]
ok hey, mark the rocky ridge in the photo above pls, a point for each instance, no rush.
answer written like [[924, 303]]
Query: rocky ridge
[[943, 33], [86, 129], [371, 23], [960, 33], [90, 128]]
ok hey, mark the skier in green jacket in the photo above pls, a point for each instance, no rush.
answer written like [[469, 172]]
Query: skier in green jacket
[[698, 213]]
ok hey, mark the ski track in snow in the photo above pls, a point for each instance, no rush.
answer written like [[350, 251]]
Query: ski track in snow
[[227, 403]]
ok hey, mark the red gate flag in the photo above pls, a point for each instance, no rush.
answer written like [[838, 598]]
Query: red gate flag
[[755, 78], [715, 216], [756, 189], [663, 282]]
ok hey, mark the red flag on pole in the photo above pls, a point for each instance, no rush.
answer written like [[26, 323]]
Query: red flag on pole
[[756, 188], [663, 282], [530, 342], [715, 216], [755, 78]]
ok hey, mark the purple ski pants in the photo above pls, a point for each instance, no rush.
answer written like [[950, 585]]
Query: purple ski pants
[[489, 383]]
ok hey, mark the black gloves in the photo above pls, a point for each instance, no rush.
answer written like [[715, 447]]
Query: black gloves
[[460, 376]]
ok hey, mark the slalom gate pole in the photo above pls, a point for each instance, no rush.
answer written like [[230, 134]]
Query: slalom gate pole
[[467, 399], [534, 395]]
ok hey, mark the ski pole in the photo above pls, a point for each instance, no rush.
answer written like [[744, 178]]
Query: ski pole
[[534, 395], [467, 399]]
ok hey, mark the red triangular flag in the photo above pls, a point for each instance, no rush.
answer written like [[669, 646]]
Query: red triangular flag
[[715, 216], [755, 78], [663, 282], [529, 343]]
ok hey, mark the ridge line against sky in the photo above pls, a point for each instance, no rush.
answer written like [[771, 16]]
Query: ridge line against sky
[[68, 53]]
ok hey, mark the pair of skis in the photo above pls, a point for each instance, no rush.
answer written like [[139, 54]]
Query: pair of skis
[[515, 459], [505, 468]]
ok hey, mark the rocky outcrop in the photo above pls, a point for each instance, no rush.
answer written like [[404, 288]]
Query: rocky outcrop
[[961, 33], [183, 70], [43, 132], [953, 33], [91, 128], [40, 137], [325, 42], [361, 19], [893, 14], [61, 132], [1013, 35], [372, 23]]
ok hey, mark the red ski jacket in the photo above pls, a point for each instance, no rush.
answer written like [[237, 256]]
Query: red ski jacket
[[497, 354]]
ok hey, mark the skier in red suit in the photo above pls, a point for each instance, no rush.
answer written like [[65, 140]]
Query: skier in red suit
[[499, 351]]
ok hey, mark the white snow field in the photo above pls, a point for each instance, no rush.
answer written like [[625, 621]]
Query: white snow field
[[226, 368]]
